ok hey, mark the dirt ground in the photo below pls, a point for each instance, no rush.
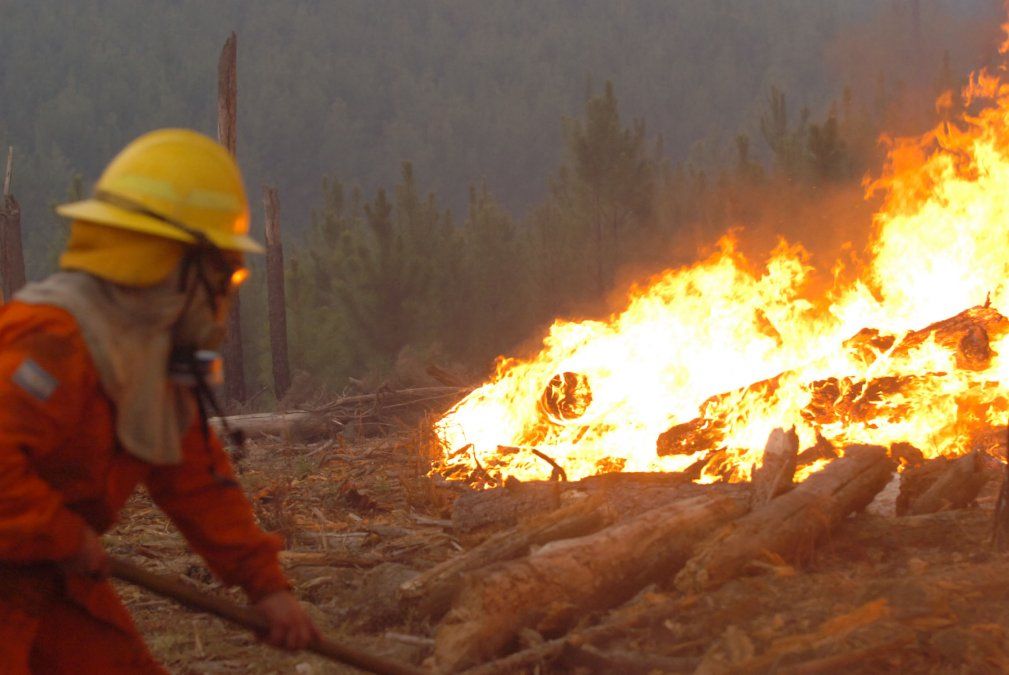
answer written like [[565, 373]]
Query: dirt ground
[[923, 594]]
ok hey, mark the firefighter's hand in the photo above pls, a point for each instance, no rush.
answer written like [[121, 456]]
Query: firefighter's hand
[[90, 559], [290, 625]]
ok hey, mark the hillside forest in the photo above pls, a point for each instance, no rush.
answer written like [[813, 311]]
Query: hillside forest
[[454, 176]]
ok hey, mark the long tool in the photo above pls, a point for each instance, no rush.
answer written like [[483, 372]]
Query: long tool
[[185, 594]]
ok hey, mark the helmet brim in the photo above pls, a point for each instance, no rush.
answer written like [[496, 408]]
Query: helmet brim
[[103, 213]]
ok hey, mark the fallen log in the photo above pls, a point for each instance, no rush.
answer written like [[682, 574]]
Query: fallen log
[[548, 589], [433, 589], [789, 525], [943, 484], [506, 505], [638, 613], [329, 420], [296, 426]]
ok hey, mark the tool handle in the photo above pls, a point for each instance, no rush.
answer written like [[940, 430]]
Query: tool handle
[[173, 588]]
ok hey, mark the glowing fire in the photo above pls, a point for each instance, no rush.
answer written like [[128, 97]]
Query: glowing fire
[[689, 344]]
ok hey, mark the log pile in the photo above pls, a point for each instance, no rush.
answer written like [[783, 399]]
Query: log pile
[[591, 545], [540, 561], [844, 400]]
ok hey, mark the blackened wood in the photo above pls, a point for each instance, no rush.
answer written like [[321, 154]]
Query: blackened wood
[[276, 299]]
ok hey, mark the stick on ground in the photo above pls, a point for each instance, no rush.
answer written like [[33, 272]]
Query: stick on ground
[[185, 594]]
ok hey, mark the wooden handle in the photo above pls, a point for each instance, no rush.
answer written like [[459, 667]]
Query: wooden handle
[[173, 588]]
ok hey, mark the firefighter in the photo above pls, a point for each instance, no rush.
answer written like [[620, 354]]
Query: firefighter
[[103, 387]]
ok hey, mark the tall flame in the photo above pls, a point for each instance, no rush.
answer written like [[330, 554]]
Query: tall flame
[[691, 343]]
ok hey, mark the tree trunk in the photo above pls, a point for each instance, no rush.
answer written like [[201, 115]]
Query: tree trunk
[[11, 251], [275, 295], [789, 525], [227, 133], [549, 589]]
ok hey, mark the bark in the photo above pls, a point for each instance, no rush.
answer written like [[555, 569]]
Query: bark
[[774, 476], [432, 590], [943, 484], [275, 295], [549, 589], [505, 506], [790, 525], [227, 134]]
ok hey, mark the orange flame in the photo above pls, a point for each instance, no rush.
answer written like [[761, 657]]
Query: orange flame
[[600, 393]]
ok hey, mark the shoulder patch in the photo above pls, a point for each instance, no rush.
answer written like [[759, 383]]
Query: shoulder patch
[[34, 379]]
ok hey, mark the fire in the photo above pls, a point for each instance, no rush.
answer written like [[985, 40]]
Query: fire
[[678, 365]]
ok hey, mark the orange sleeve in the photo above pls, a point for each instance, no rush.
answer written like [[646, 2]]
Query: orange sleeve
[[207, 504], [44, 373]]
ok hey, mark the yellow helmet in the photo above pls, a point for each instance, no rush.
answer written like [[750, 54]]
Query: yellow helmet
[[173, 184]]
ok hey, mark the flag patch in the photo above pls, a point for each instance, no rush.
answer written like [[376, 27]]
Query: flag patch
[[34, 379]]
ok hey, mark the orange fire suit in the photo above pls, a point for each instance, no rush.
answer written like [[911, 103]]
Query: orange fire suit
[[61, 469]]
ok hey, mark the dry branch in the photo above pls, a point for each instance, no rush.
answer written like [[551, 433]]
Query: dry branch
[[789, 525], [548, 589]]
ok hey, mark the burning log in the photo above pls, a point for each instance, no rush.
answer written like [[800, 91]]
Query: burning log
[[943, 484], [836, 400], [774, 476], [789, 525], [548, 589], [433, 589]]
